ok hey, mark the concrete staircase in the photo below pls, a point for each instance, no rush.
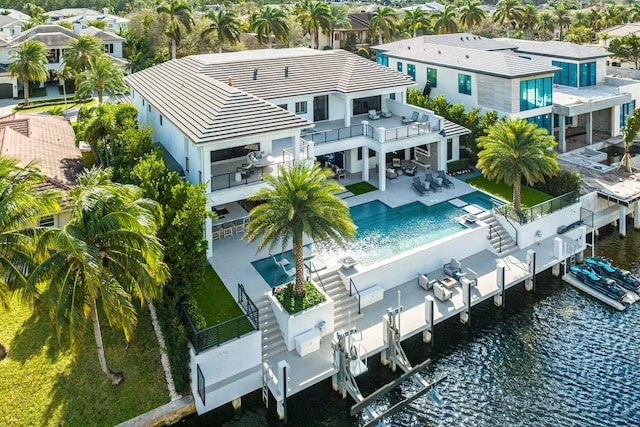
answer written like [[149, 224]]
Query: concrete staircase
[[272, 340], [497, 233], [343, 303]]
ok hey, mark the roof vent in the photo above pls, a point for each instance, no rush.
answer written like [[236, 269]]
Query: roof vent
[[255, 74], [408, 47], [286, 71], [467, 37], [466, 56], [439, 53], [462, 38], [230, 81]]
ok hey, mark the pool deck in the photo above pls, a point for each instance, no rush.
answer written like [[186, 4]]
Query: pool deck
[[232, 260]]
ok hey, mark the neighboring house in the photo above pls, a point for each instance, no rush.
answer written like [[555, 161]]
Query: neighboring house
[[10, 26], [80, 18], [15, 14], [604, 38], [56, 39], [50, 142], [359, 28], [553, 84], [215, 113]]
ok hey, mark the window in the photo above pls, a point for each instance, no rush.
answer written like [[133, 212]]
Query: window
[[567, 121], [301, 107], [108, 48], [392, 96], [149, 108], [143, 102], [411, 70], [587, 74], [47, 221], [528, 58], [382, 59], [543, 121], [372, 153], [535, 93], [626, 110], [160, 120], [399, 66], [464, 84], [363, 105], [186, 164], [432, 76], [283, 106], [320, 108], [449, 149], [567, 76]]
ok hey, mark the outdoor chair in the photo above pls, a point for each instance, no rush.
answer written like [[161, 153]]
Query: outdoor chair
[[424, 118], [216, 233], [227, 230], [452, 268], [396, 162], [391, 173], [289, 271], [425, 283], [238, 226], [411, 170], [373, 115], [429, 178], [280, 263], [386, 113], [442, 293], [410, 120], [419, 186], [445, 180]]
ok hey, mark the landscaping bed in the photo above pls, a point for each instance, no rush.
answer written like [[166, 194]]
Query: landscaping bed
[[360, 188]]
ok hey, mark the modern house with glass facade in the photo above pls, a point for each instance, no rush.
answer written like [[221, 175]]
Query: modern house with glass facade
[[557, 85]]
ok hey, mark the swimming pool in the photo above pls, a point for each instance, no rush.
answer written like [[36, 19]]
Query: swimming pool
[[384, 232]]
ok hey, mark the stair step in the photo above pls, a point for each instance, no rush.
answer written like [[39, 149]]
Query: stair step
[[273, 351]]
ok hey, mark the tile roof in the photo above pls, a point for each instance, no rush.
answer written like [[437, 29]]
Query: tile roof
[[556, 49], [307, 72], [621, 30], [474, 60], [49, 34], [452, 129], [105, 36], [465, 40], [204, 109], [49, 140]]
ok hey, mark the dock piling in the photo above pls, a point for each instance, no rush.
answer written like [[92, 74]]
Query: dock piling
[[465, 316], [427, 334], [498, 299]]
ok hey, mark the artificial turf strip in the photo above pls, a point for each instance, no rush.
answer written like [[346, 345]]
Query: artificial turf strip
[[528, 196], [360, 188], [42, 385], [216, 303]]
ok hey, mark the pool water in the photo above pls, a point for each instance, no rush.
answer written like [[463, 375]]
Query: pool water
[[384, 232]]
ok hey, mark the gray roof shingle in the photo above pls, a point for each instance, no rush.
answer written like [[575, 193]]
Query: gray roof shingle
[[204, 109], [308, 72], [49, 34], [474, 60], [105, 36]]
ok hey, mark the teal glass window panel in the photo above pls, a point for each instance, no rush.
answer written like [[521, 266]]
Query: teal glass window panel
[[432, 76], [399, 66]]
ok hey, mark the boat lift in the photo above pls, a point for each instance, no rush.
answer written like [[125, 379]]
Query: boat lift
[[347, 358]]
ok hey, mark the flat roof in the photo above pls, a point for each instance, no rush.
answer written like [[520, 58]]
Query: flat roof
[[474, 60], [280, 73], [556, 49]]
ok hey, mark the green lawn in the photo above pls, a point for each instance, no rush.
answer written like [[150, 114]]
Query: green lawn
[[360, 188], [70, 104], [42, 385], [215, 302], [529, 196]]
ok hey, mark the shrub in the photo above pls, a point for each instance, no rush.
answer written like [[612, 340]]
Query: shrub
[[295, 304], [193, 310], [56, 111], [458, 165], [175, 338], [562, 183]]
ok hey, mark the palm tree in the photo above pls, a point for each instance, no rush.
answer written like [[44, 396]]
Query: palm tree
[[382, 22], [226, 25], [63, 75], [179, 13], [546, 24], [107, 253], [446, 21], [507, 11], [314, 16], [528, 20], [339, 18], [80, 52], [20, 207], [563, 18], [413, 19], [516, 149], [102, 76], [629, 133], [269, 21], [471, 14], [301, 201], [30, 65]]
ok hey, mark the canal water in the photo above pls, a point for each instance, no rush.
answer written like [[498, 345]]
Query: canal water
[[556, 357]]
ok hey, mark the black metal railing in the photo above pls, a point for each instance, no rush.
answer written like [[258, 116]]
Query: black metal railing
[[498, 207], [312, 269], [248, 306], [215, 335], [330, 135], [352, 287], [202, 391], [527, 215], [244, 176], [493, 230]]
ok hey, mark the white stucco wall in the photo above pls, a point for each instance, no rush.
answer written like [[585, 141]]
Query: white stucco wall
[[547, 225]]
